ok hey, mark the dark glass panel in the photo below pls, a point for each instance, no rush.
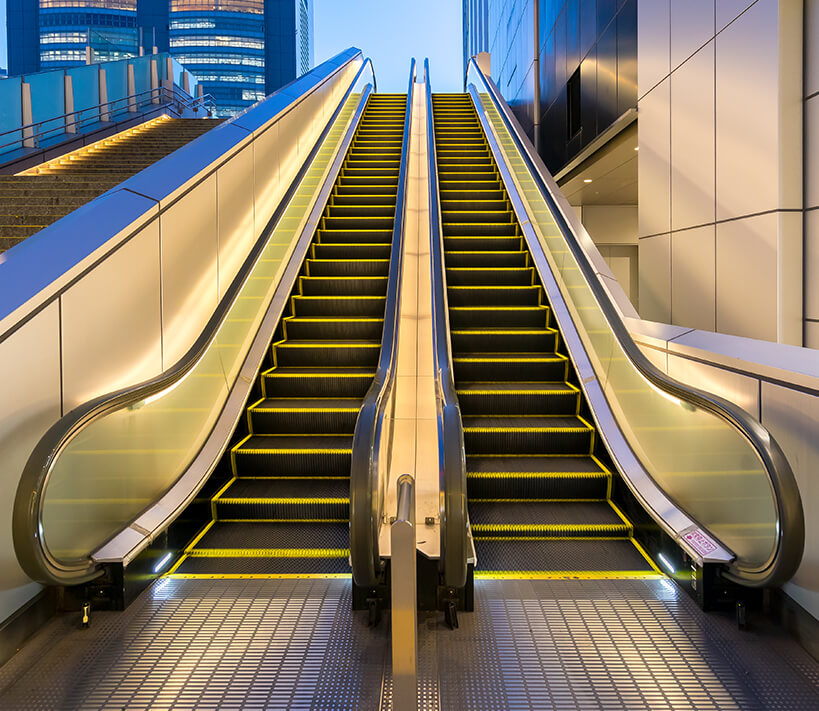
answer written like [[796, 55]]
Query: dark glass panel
[[627, 57], [607, 78]]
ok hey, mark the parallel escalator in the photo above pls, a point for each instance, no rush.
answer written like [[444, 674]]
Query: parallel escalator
[[539, 481], [285, 509]]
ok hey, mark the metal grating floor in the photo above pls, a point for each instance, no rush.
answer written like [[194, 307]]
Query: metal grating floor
[[614, 644]]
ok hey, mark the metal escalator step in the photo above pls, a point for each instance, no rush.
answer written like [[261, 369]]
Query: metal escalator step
[[351, 236], [505, 295], [333, 354], [553, 479], [497, 340], [291, 455], [299, 415], [489, 276], [518, 397], [461, 317], [317, 382], [266, 539], [361, 250], [510, 366], [347, 267], [339, 306], [482, 243], [294, 498], [333, 328], [343, 286], [480, 229], [560, 558], [546, 434], [351, 209], [546, 519], [242, 566]]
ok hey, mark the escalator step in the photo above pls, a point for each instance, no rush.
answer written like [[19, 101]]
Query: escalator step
[[273, 539], [333, 354], [461, 317], [291, 455], [243, 566], [329, 328], [294, 415], [593, 556], [527, 435], [521, 397], [317, 382], [510, 366], [549, 519], [284, 499]]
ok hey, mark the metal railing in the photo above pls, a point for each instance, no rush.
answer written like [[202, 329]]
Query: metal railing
[[28, 522], [367, 491], [32, 135], [677, 434], [451, 451]]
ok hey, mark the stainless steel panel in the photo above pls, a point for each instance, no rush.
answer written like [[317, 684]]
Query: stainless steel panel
[[627, 57], [607, 77], [188, 245], [811, 265], [111, 332], [235, 214], [30, 393], [812, 150], [811, 47], [693, 279], [692, 141], [747, 114]]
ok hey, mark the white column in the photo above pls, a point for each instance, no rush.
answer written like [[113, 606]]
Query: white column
[[29, 140], [104, 108], [68, 92]]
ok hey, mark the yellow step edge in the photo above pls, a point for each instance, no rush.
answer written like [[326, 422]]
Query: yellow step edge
[[538, 475], [269, 553], [568, 575], [561, 528], [234, 500], [258, 576]]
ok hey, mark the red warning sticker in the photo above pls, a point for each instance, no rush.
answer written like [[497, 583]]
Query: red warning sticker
[[700, 542]]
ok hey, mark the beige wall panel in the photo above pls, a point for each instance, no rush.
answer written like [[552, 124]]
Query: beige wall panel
[[290, 130], [30, 397], [111, 322], [611, 224], [653, 166], [653, 36], [693, 288], [729, 10], [811, 47], [736, 388], [747, 145], [812, 334], [267, 184], [655, 278], [747, 277], [812, 150], [189, 284], [692, 141], [236, 233], [692, 25], [793, 419]]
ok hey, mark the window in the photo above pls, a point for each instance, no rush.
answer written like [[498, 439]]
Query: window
[[304, 38], [573, 103]]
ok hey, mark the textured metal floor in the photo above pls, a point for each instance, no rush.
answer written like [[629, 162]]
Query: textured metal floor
[[295, 644]]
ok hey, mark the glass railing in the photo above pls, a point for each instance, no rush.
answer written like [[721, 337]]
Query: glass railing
[[714, 461], [133, 447]]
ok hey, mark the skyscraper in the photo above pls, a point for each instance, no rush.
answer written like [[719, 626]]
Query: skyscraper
[[240, 49]]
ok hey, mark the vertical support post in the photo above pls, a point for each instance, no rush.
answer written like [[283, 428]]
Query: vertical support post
[[154, 82], [169, 69], [186, 82], [29, 139], [104, 108], [68, 93], [131, 89], [89, 53], [404, 612], [141, 46]]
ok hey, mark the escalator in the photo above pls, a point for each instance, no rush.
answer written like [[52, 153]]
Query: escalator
[[43, 194], [285, 509], [539, 482]]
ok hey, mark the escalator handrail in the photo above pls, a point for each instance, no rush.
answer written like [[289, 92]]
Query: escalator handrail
[[366, 494], [27, 524], [451, 450], [786, 556]]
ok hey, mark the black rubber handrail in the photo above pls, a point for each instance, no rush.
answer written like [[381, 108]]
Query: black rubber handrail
[[366, 495], [27, 525], [787, 554], [451, 449]]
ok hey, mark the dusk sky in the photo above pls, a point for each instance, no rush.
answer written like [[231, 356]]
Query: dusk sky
[[391, 32]]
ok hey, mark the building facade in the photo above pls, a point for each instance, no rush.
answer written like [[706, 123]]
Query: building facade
[[697, 184], [240, 50]]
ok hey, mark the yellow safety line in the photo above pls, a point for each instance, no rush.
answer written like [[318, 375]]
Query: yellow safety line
[[269, 553], [645, 555], [537, 475], [567, 575], [491, 528], [258, 576]]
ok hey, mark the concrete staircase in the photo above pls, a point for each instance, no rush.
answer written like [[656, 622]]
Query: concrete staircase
[[41, 195]]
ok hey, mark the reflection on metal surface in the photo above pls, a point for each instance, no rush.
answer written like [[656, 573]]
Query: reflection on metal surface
[[642, 646]]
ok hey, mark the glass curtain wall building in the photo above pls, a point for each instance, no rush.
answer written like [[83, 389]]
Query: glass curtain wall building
[[582, 77], [240, 50]]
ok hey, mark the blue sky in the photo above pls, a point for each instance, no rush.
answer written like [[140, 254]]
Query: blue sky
[[391, 32]]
